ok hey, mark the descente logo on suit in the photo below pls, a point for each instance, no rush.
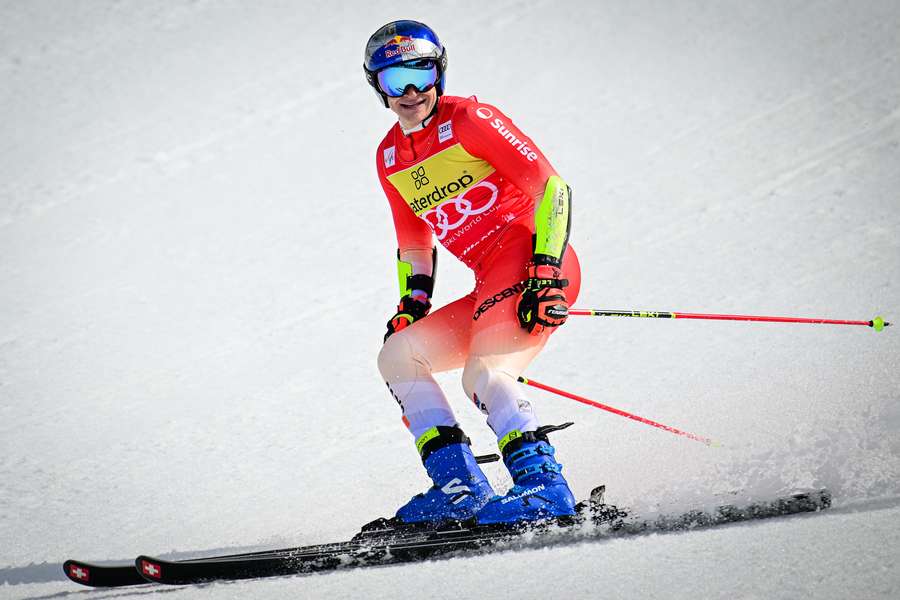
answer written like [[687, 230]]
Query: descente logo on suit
[[497, 298]]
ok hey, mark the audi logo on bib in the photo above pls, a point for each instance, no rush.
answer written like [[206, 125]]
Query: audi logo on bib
[[454, 212]]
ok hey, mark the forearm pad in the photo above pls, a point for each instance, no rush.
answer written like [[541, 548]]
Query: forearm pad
[[552, 221]]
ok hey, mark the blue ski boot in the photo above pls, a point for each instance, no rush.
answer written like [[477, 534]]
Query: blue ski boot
[[460, 488], [539, 491]]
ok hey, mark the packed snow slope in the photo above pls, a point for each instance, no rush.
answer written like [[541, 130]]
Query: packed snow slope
[[197, 263]]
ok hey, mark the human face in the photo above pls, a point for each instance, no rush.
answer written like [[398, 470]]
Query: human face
[[413, 106]]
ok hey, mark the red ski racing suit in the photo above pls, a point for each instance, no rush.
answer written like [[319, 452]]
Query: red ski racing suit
[[472, 180]]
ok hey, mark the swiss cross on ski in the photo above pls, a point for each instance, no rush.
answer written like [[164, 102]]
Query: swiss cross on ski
[[151, 569], [80, 573]]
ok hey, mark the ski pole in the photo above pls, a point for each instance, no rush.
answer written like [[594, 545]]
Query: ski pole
[[617, 411], [877, 323]]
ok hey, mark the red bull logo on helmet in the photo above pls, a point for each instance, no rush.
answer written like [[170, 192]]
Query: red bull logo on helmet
[[399, 44]]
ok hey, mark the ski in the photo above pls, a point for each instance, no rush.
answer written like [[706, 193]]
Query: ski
[[595, 520], [93, 575], [383, 543]]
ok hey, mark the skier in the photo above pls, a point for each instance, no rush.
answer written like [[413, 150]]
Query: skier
[[459, 171]]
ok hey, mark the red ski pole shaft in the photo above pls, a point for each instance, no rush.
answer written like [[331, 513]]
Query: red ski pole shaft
[[877, 323], [617, 411]]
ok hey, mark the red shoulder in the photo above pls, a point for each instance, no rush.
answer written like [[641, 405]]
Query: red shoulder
[[461, 106], [486, 132], [455, 100], [478, 114]]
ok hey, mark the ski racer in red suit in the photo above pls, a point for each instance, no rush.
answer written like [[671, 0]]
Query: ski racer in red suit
[[460, 172]]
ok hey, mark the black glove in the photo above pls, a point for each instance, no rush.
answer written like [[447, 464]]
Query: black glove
[[543, 304]]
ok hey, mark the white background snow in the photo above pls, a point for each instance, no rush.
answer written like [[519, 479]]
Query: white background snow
[[196, 264]]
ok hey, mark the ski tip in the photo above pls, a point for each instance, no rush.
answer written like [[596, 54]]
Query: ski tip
[[77, 572], [150, 568], [597, 494]]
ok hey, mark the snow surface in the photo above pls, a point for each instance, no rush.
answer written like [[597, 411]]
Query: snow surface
[[197, 263]]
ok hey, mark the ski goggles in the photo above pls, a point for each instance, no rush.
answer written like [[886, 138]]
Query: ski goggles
[[421, 74]]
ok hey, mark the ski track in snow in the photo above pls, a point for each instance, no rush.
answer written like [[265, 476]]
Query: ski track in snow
[[170, 382]]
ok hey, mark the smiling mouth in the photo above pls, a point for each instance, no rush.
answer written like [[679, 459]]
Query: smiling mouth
[[413, 103]]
